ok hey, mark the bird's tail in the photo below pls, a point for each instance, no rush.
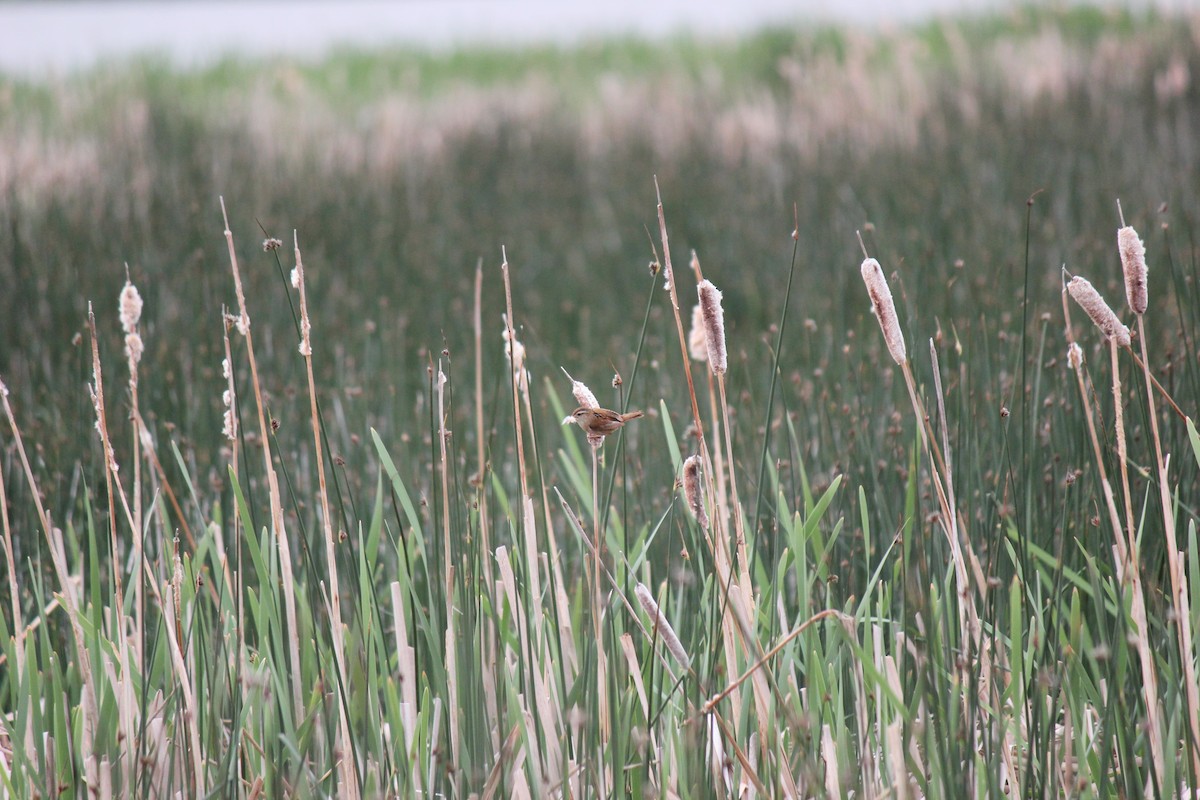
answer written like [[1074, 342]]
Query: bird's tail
[[632, 415]]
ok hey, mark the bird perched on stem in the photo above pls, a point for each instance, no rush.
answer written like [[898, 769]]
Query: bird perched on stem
[[600, 422]]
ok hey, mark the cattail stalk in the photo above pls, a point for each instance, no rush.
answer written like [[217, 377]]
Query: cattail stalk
[[14, 594], [349, 776], [662, 625], [1128, 569], [242, 323], [1133, 264]]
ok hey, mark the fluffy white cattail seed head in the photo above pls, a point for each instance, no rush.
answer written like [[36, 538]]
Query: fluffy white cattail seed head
[[1094, 306], [693, 489], [134, 347], [697, 344], [884, 309], [131, 307], [1133, 262], [1075, 355], [660, 622], [714, 326], [583, 395]]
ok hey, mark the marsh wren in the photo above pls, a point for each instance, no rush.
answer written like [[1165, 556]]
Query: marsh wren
[[600, 422]]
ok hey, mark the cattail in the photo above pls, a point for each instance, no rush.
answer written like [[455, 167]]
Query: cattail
[[514, 351], [1133, 261], [1094, 306], [134, 347], [131, 313], [1075, 355], [660, 622], [693, 490], [131, 307], [697, 343], [884, 309], [583, 395], [229, 429], [714, 326]]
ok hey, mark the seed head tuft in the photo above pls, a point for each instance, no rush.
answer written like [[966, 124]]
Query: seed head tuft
[[1075, 355]]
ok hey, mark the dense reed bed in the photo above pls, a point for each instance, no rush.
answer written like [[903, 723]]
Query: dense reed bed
[[289, 508]]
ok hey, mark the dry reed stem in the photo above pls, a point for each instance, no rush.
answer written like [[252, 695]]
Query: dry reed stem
[[346, 771], [1138, 610], [487, 632], [11, 564], [1128, 572], [720, 551], [242, 322], [662, 625], [130, 305]]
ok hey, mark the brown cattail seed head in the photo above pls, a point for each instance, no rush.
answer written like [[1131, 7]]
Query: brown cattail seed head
[[660, 621], [693, 490], [714, 326], [1133, 261], [1093, 304], [885, 309]]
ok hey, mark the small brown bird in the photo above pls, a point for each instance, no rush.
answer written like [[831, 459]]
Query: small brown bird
[[600, 421]]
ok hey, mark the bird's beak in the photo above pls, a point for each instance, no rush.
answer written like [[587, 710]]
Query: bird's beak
[[568, 420]]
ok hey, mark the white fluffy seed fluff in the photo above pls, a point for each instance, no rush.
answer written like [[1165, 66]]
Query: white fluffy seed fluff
[[583, 395], [131, 307], [1075, 355], [693, 489], [884, 309], [514, 351], [714, 326], [295, 278], [660, 622], [697, 344], [1094, 306], [3, 389], [1133, 262], [134, 347]]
